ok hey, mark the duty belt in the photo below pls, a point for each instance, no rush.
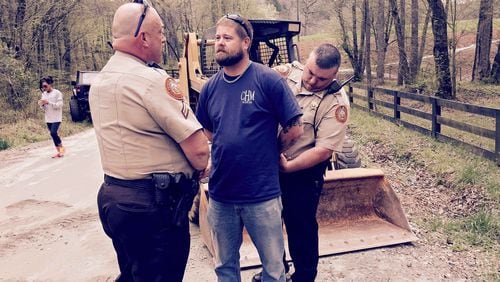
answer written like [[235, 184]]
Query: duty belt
[[134, 183]]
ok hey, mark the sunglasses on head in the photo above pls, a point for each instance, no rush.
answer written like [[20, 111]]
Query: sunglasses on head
[[143, 15], [237, 18]]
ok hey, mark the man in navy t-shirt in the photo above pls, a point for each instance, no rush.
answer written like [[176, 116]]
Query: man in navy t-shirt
[[240, 109]]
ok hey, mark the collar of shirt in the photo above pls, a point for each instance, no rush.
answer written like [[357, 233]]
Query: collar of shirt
[[132, 57], [301, 90]]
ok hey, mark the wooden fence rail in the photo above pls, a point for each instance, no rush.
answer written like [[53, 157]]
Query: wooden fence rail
[[437, 105]]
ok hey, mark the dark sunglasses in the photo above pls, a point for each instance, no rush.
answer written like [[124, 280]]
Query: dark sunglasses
[[141, 19], [237, 18]]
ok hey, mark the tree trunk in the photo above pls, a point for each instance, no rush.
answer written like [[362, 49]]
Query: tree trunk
[[481, 68], [367, 28], [414, 66], [424, 37], [66, 58], [453, 45], [495, 69], [18, 27], [402, 20], [441, 58], [403, 61], [352, 50], [380, 42]]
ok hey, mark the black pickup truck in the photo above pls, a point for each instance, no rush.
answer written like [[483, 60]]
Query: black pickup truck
[[79, 102]]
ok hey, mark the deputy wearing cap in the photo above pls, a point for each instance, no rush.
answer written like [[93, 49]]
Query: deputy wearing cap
[[151, 148], [303, 164]]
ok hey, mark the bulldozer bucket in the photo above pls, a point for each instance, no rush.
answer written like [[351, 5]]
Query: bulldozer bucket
[[358, 210]]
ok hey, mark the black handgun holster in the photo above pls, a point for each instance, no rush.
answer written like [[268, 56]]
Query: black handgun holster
[[176, 192]]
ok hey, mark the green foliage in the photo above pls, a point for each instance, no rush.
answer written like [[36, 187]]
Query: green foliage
[[483, 226], [4, 144], [479, 229], [15, 82], [468, 175]]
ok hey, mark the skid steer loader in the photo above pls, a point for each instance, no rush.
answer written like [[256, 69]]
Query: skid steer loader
[[357, 210]]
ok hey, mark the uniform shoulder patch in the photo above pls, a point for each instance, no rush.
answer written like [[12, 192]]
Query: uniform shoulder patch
[[341, 113], [173, 89], [283, 70]]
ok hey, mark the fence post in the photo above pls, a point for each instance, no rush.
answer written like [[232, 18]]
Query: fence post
[[397, 102], [369, 91], [351, 98], [497, 136], [436, 111]]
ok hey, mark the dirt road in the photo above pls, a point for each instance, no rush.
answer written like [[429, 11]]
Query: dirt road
[[49, 229]]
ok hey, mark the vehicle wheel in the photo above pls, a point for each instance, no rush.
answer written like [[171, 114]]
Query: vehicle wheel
[[74, 110], [349, 157]]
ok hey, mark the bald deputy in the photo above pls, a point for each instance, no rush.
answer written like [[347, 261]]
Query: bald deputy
[[152, 149]]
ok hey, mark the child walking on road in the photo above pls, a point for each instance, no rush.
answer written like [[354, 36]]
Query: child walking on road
[[52, 102]]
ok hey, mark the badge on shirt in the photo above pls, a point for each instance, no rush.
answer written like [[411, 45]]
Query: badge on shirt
[[341, 113], [313, 106], [173, 89]]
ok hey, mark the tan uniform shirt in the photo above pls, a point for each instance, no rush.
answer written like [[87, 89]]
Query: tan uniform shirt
[[138, 120], [331, 117]]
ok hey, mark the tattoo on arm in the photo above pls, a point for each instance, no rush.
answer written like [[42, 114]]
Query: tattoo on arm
[[296, 121]]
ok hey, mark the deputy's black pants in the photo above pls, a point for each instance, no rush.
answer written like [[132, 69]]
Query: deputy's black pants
[[53, 128], [300, 197], [148, 246]]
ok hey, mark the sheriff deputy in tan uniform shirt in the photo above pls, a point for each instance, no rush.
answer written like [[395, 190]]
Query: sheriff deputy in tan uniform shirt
[[140, 117], [303, 164], [150, 144]]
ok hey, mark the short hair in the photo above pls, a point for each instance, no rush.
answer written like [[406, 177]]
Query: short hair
[[327, 56], [47, 79], [243, 26]]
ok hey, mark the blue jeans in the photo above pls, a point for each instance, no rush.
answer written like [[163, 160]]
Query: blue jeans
[[263, 223]]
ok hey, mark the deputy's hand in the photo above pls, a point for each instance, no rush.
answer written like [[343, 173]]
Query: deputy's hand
[[42, 102], [206, 172], [284, 166]]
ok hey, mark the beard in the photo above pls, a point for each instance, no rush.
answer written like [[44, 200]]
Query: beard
[[225, 59]]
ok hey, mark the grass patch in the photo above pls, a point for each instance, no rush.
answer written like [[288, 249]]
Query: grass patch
[[468, 175], [481, 229], [27, 131]]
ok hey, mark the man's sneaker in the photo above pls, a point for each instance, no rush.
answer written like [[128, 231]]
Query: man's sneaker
[[258, 277]]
